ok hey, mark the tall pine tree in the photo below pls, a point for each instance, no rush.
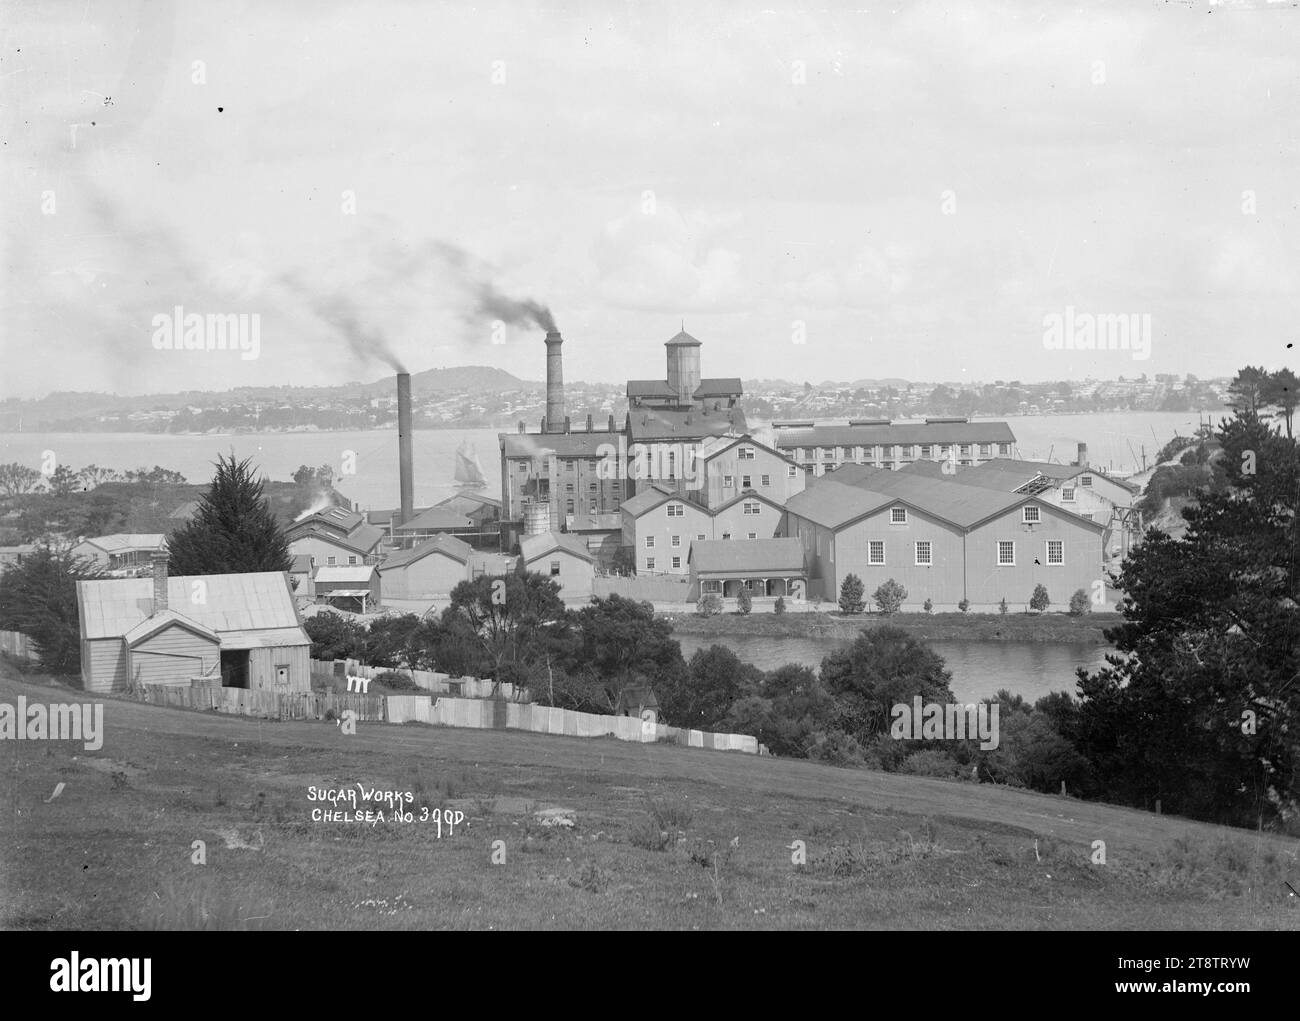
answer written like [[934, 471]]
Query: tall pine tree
[[233, 530]]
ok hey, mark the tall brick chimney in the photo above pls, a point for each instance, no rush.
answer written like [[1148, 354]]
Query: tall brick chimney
[[1082, 459], [405, 460], [159, 560], [555, 415]]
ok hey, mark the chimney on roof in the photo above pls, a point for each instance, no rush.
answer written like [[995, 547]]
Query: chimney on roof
[[521, 425], [589, 424], [611, 422], [1082, 460], [567, 425], [159, 559]]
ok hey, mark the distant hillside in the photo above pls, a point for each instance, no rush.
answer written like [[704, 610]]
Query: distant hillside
[[457, 378]]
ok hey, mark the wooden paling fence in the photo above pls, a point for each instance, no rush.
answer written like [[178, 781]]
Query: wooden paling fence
[[15, 643], [477, 713], [429, 680]]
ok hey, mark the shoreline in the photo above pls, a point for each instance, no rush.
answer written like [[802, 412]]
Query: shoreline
[[985, 627]]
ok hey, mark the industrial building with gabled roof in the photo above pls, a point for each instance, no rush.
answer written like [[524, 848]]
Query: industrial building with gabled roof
[[882, 443], [765, 567], [241, 629], [565, 559]]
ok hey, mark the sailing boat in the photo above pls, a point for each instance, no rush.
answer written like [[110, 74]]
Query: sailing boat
[[469, 473]]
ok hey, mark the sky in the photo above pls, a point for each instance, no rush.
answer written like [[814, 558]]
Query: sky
[[911, 190]]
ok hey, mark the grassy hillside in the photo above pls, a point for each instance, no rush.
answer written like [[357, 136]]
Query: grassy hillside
[[652, 845]]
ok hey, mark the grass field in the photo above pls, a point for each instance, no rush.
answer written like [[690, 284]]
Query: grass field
[[663, 837]]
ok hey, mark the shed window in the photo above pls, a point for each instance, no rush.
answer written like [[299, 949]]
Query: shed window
[[1055, 551], [677, 561], [1030, 515], [767, 480], [923, 554], [555, 568], [898, 515], [792, 471], [875, 552], [1006, 554]]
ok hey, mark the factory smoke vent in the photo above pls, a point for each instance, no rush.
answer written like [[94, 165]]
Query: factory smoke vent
[[555, 409], [405, 466]]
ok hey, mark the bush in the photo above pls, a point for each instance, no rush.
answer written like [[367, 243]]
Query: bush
[[929, 606], [964, 605], [931, 762], [851, 593], [1039, 601], [835, 748], [395, 680], [889, 597], [744, 601], [647, 834], [670, 813], [709, 604], [1002, 606], [1080, 603], [780, 605]]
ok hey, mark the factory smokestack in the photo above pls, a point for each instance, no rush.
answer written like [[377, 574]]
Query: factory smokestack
[[404, 459], [554, 383]]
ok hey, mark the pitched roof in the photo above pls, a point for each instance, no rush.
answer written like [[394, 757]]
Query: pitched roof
[[930, 469], [1048, 468], [534, 547], [719, 386], [583, 444], [120, 542], [964, 506], [682, 339], [362, 540], [834, 504], [109, 608], [717, 445], [684, 423], [185, 511], [448, 545], [491, 501], [433, 519], [332, 517], [897, 433], [301, 564], [649, 388], [154, 624], [648, 499], [721, 556]]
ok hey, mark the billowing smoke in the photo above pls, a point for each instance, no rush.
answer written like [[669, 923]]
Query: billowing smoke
[[490, 302], [338, 311]]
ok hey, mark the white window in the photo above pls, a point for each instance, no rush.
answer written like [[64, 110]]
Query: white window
[[1030, 515], [1087, 515], [986, 450], [1055, 551], [751, 507], [1085, 481], [352, 560], [898, 515], [767, 480], [700, 537], [965, 450], [726, 535], [649, 563], [753, 535], [1006, 554], [1004, 449], [746, 482], [746, 454], [555, 568], [923, 554], [331, 561], [593, 507], [675, 541], [1067, 494], [649, 542], [676, 510], [792, 471], [728, 481], [926, 450], [875, 552], [677, 561]]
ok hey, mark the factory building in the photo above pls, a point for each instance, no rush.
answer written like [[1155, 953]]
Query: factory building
[[880, 443]]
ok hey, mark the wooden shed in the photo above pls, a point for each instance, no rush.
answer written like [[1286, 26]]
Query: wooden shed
[[242, 628]]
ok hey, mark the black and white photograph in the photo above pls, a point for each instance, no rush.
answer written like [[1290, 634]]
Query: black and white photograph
[[712, 466]]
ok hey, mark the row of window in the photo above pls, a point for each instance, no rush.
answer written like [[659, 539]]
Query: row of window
[[923, 552], [676, 540], [678, 510], [747, 481], [927, 450]]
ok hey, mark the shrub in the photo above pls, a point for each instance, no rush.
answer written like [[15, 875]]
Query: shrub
[[964, 605], [744, 601], [670, 813], [647, 834], [835, 748], [1002, 606], [889, 597], [851, 593], [929, 606], [780, 604], [709, 604], [1080, 603], [1039, 601], [931, 762], [395, 680]]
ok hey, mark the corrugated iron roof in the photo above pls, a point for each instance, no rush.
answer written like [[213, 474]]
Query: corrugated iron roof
[[121, 542], [231, 602], [648, 499], [534, 547], [685, 423], [433, 519], [449, 545], [265, 638], [720, 556], [583, 444], [833, 504]]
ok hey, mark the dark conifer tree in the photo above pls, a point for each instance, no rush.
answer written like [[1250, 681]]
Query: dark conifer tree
[[233, 531]]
